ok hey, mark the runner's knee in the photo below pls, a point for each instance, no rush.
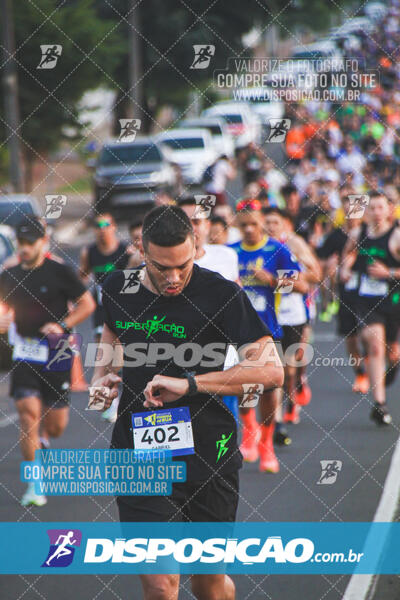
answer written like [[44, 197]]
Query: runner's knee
[[55, 429], [160, 587]]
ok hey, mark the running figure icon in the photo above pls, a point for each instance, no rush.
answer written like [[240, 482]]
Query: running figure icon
[[64, 352], [62, 550]]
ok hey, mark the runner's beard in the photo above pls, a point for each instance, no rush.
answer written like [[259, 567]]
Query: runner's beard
[[159, 290]]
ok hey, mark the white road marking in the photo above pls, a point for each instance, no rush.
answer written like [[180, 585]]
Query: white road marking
[[362, 587], [8, 420]]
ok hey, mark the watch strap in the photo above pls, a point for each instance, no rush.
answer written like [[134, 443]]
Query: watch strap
[[192, 383]]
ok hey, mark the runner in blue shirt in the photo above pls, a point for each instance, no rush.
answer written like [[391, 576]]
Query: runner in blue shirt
[[265, 267]]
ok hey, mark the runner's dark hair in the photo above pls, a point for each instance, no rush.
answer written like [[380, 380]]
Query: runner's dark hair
[[166, 226]]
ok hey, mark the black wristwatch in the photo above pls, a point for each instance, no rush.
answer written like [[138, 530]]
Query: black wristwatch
[[65, 327], [192, 383]]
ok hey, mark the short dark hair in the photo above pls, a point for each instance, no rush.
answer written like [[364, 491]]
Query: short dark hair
[[166, 226], [270, 210], [377, 194], [288, 189], [187, 201], [135, 224], [217, 219]]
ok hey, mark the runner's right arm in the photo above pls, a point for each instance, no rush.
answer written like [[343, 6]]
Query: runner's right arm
[[105, 375], [6, 312]]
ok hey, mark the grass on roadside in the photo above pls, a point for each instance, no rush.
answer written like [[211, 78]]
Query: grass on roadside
[[82, 185]]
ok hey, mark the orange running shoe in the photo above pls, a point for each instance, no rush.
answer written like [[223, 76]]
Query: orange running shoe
[[361, 384], [292, 415], [268, 461], [249, 445], [303, 397]]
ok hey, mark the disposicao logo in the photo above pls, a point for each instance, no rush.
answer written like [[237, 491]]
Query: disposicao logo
[[191, 550], [62, 547]]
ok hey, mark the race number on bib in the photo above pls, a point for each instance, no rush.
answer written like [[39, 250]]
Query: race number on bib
[[258, 301], [373, 287], [30, 350], [164, 430]]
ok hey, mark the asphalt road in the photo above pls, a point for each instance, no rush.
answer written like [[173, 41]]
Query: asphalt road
[[335, 426]]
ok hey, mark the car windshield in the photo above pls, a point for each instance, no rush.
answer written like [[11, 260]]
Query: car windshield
[[11, 213], [214, 129], [233, 119], [184, 143], [139, 153]]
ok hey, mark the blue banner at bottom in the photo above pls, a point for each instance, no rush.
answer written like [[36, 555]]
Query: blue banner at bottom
[[191, 548]]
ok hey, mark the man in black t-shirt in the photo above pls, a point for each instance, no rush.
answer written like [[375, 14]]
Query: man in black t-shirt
[[102, 257], [174, 330], [35, 294]]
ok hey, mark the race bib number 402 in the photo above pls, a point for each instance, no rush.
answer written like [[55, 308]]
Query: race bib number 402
[[164, 430]]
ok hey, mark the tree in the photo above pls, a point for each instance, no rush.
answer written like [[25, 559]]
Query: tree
[[91, 49], [170, 29]]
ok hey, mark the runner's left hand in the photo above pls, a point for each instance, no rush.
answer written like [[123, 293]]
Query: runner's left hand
[[378, 270], [164, 389], [264, 276], [50, 328]]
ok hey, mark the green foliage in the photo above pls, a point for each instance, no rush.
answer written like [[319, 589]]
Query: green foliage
[[48, 97]]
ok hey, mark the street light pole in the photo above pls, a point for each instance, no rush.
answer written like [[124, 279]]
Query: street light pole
[[10, 89], [135, 63]]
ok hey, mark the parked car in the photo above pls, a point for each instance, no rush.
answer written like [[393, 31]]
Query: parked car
[[221, 138], [376, 11], [192, 149], [261, 103], [355, 25], [15, 207], [243, 124], [129, 173], [324, 49]]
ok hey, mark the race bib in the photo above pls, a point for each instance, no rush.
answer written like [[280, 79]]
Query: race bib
[[30, 350], [292, 310], [373, 287], [164, 430], [352, 283], [258, 301]]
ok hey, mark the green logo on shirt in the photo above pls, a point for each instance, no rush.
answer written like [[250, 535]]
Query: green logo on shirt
[[153, 325], [222, 445]]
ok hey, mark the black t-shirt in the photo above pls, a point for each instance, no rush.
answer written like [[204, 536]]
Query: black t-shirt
[[40, 295], [210, 310], [333, 244], [306, 219]]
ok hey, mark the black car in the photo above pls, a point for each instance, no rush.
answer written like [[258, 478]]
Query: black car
[[129, 173]]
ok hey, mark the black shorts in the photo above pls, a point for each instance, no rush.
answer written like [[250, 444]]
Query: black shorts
[[52, 388], [292, 334], [215, 500], [370, 315], [348, 322]]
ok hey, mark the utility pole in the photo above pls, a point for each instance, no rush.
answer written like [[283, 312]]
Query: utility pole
[[135, 62], [10, 89]]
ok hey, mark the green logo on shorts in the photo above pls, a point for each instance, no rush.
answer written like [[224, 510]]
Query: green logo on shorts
[[222, 445]]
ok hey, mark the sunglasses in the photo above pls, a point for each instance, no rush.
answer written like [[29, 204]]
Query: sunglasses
[[102, 224], [252, 204]]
